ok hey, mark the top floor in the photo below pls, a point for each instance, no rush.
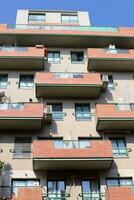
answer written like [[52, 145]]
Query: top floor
[[78, 18]]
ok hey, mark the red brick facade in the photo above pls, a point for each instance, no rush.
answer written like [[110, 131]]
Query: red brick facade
[[119, 193]]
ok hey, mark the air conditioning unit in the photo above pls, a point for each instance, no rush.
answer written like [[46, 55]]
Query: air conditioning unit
[[49, 109], [105, 80], [48, 113]]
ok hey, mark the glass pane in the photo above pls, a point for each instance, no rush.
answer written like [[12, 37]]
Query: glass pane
[[95, 190], [84, 144], [3, 81], [86, 186], [61, 186], [58, 144], [125, 181], [33, 183], [65, 18], [3, 106], [112, 182], [35, 17], [26, 81], [73, 19], [57, 107]]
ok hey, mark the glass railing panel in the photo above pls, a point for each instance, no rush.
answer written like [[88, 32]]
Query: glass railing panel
[[60, 27], [72, 144], [17, 106], [120, 152], [91, 196], [82, 115], [68, 75], [12, 49]]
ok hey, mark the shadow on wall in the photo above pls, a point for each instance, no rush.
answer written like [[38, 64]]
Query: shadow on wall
[[6, 175]]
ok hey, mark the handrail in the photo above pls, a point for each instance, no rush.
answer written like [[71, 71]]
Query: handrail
[[120, 151], [91, 195], [20, 150], [57, 195], [61, 27]]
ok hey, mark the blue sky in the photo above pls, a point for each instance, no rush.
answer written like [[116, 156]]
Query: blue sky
[[102, 12]]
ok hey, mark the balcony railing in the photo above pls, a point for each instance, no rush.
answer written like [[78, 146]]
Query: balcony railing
[[20, 192], [91, 196], [71, 144], [7, 106], [120, 152], [11, 49], [117, 51], [124, 106], [57, 196], [21, 153], [61, 27], [57, 115], [82, 115], [68, 75]]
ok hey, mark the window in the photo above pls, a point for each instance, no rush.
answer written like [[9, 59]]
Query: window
[[56, 189], [90, 189], [125, 106], [119, 147], [111, 84], [82, 112], [16, 183], [118, 181], [3, 81], [71, 144], [57, 113], [26, 81], [68, 75], [69, 18], [37, 18], [53, 57], [77, 57], [22, 147]]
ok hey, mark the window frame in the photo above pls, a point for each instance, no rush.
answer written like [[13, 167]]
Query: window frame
[[22, 153], [56, 180], [69, 21], [111, 84], [77, 60], [6, 81], [36, 14], [53, 57], [119, 153], [22, 76], [118, 179], [91, 192], [82, 113], [59, 114]]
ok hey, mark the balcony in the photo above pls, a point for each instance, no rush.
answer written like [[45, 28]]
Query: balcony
[[68, 85], [120, 193], [66, 36], [31, 192], [20, 193], [19, 116], [21, 58], [70, 155], [114, 117], [111, 60]]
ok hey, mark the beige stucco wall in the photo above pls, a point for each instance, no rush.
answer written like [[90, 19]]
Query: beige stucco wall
[[53, 17]]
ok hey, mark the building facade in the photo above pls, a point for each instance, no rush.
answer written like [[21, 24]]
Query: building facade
[[67, 108]]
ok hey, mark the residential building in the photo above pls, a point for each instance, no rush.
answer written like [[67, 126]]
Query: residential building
[[66, 108]]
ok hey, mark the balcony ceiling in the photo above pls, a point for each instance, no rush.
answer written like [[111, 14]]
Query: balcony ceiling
[[71, 164]]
